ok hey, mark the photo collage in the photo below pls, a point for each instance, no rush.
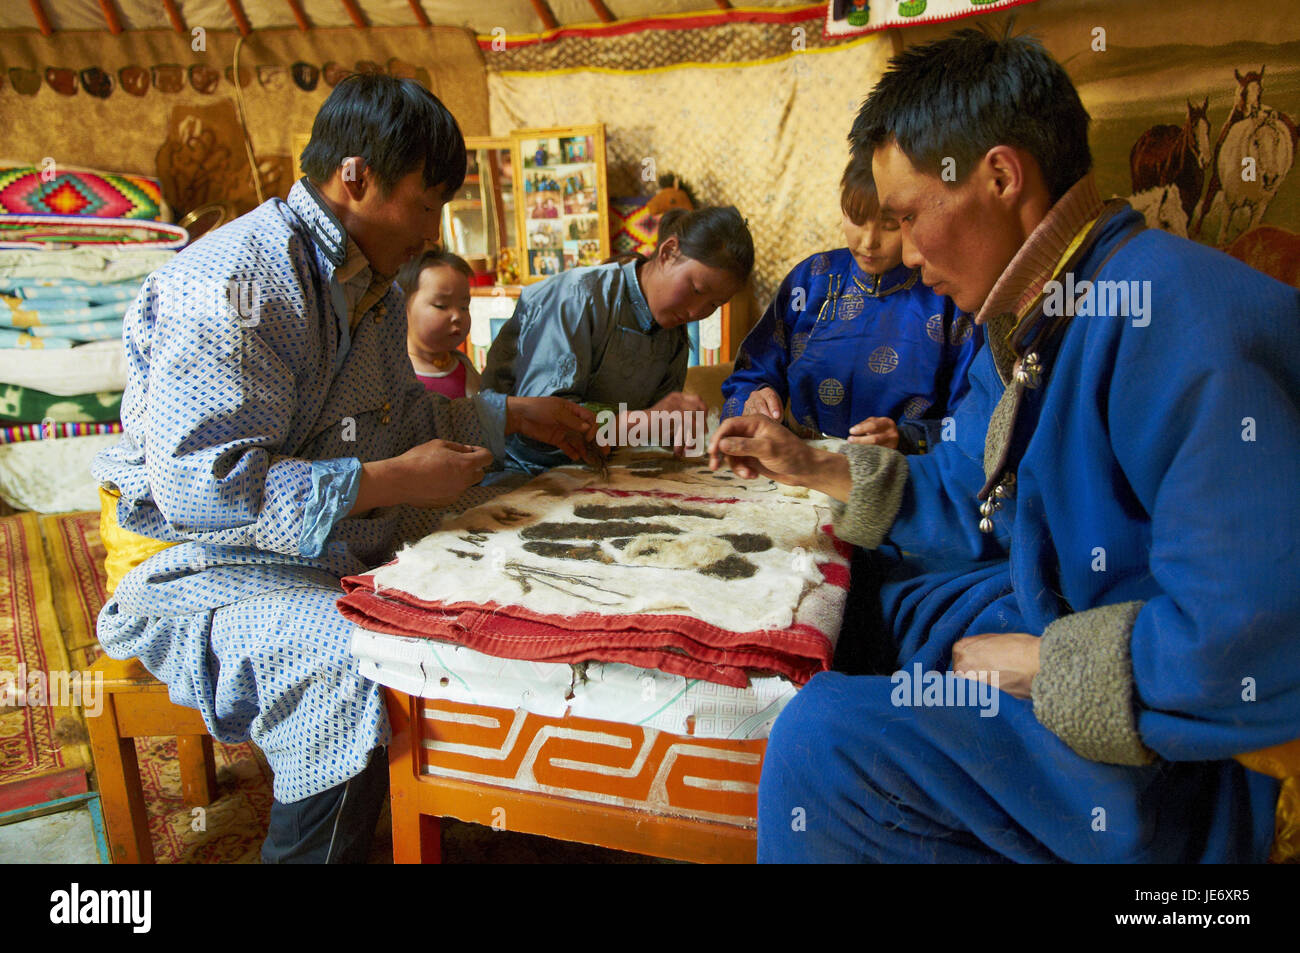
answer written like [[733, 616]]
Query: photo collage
[[561, 196]]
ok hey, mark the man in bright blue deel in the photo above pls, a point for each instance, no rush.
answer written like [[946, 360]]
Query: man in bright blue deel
[[1110, 539]]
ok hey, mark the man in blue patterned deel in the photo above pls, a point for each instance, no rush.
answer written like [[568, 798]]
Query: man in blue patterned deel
[[276, 436]]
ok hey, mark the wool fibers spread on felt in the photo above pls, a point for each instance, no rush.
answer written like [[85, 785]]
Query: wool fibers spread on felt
[[658, 535]]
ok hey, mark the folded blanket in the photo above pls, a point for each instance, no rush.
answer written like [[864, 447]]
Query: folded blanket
[[69, 267], [18, 312], [23, 231], [81, 331], [663, 564], [63, 293], [22, 341], [85, 369], [26, 404], [52, 476]]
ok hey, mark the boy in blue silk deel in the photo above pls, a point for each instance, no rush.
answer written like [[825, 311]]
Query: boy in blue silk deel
[[856, 343]]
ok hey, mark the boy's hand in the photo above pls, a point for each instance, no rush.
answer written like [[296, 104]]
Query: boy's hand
[[881, 431], [553, 420], [765, 401]]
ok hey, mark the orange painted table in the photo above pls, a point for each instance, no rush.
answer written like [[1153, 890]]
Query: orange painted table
[[575, 779]]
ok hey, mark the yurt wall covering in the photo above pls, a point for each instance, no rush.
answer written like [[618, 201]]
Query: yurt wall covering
[[731, 108], [756, 113]]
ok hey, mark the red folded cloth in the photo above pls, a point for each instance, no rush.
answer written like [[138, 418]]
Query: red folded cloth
[[676, 644]]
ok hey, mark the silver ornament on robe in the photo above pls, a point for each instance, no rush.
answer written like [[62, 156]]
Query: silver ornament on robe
[[1003, 491], [1029, 372]]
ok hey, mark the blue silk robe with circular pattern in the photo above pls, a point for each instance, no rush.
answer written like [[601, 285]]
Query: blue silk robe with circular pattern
[[843, 345]]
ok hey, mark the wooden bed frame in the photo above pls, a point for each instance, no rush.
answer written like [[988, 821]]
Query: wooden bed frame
[[574, 779]]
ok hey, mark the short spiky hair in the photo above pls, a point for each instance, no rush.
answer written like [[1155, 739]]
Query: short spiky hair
[[396, 124], [966, 93]]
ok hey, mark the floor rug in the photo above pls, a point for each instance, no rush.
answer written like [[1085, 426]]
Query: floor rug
[[35, 738]]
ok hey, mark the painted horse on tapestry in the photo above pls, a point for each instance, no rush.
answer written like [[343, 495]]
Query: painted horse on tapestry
[[1167, 155], [1247, 105], [1253, 163], [1162, 207]]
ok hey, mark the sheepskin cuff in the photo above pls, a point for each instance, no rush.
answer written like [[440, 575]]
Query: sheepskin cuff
[[879, 475], [1083, 691]]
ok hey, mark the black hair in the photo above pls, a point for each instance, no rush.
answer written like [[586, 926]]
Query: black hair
[[858, 198], [716, 236], [962, 95], [396, 124], [408, 278]]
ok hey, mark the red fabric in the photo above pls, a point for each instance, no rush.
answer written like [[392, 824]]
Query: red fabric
[[450, 385], [676, 644]]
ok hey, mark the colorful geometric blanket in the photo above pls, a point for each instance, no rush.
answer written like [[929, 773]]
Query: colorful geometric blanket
[[23, 231], [26, 190], [662, 564]]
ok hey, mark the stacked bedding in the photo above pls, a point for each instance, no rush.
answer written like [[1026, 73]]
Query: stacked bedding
[[75, 246], [661, 565]]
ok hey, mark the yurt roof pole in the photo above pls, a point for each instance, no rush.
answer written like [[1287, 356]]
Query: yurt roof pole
[[299, 16], [544, 12], [355, 13], [42, 20], [419, 12], [110, 14], [602, 11], [174, 15], [241, 21]]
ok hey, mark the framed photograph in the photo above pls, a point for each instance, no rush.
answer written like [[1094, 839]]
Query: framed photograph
[[562, 216]]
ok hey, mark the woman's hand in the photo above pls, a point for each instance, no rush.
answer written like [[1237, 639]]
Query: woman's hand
[[881, 431], [691, 431], [430, 474], [765, 401], [1013, 656], [553, 420]]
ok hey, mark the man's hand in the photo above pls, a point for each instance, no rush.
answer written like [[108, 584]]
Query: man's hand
[[1013, 655], [689, 405], [756, 446], [430, 474], [764, 401], [553, 420], [881, 431]]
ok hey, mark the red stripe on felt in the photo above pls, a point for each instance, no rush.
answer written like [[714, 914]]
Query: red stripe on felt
[[676, 644], [841, 547], [835, 574]]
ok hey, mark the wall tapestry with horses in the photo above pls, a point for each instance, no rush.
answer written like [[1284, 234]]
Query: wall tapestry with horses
[[1204, 145]]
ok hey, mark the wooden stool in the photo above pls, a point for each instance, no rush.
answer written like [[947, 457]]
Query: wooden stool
[[136, 706]]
